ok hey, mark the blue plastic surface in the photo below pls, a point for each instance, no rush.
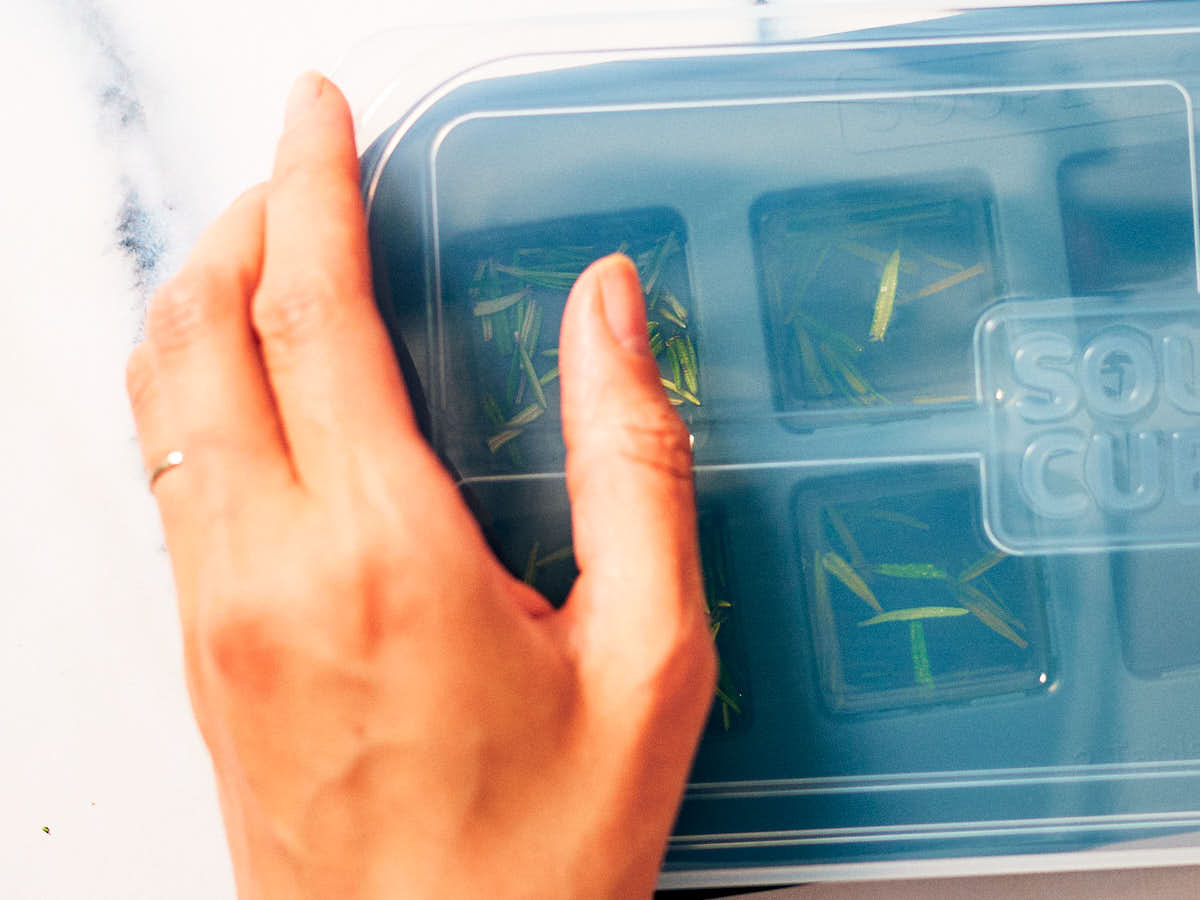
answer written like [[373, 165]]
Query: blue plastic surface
[[927, 299]]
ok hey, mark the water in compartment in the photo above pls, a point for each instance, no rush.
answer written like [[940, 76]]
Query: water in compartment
[[870, 291], [909, 603], [1122, 229], [503, 296], [527, 523], [1158, 611]]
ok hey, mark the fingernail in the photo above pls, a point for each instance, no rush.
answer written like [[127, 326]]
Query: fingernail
[[624, 308], [304, 93]]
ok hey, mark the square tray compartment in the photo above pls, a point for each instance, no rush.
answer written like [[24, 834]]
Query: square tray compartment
[[895, 541], [822, 256], [1123, 230], [528, 525], [495, 421], [1158, 610]]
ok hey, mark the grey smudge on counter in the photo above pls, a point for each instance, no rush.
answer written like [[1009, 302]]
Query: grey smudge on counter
[[141, 222]]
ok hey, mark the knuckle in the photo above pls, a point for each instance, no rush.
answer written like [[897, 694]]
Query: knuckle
[[289, 314], [388, 601], [244, 646], [655, 436], [182, 310]]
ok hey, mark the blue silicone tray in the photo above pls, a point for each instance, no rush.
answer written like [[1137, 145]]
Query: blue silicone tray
[[926, 296]]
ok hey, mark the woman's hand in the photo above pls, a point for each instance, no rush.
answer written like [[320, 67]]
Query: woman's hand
[[389, 712]]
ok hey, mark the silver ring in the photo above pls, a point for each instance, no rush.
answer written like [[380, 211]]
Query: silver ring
[[170, 461]]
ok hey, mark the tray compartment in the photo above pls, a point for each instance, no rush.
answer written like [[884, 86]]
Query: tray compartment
[[1158, 610], [870, 292], [891, 546], [1122, 229], [503, 296], [528, 526]]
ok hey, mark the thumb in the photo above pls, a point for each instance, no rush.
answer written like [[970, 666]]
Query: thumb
[[638, 604]]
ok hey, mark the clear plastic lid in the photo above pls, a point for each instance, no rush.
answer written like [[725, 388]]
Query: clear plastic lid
[[926, 295]]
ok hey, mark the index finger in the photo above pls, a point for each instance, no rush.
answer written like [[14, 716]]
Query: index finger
[[339, 391]]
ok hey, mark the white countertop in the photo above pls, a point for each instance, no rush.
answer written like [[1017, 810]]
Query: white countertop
[[128, 125]]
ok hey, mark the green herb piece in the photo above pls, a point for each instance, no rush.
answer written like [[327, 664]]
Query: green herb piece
[[885, 302], [512, 427], [516, 375], [683, 393], [922, 672], [498, 440], [553, 351], [546, 278], [712, 561], [676, 307], [947, 282], [551, 375], [843, 532], [981, 565], [912, 613], [491, 307], [657, 345], [854, 379], [46, 829], [987, 612], [493, 413], [527, 415], [841, 570], [837, 340], [562, 553], [820, 582], [690, 349], [687, 362], [673, 359], [503, 333], [534, 381], [924, 571], [526, 314], [486, 326], [728, 700], [985, 587], [668, 246], [492, 410], [671, 317], [810, 364], [939, 261], [531, 566], [887, 515], [535, 329]]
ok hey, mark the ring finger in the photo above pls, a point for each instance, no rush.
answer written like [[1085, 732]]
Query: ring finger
[[209, 398]]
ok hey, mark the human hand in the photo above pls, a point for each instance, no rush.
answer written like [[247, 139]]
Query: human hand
[[389, 712]]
